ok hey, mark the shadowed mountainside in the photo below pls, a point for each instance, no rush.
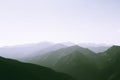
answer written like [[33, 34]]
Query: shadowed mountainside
[[15, 70], [111, 64]]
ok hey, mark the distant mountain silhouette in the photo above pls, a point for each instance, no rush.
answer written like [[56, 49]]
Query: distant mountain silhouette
[[15, 70], [38, 54], [34, 49], [97, 48], [20, 51]]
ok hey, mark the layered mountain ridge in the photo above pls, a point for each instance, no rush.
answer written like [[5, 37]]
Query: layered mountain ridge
[[79, 62]]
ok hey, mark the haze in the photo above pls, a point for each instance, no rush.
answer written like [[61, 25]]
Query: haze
[[78, 21]]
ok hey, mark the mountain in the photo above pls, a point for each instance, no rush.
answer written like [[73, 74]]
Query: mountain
[[20, 51], [51, 58], [38, 54], [112, 68], [15, 70], [26, 50], [97, 48], [81, 63], [30, 50], [82, 66], [45, 50]]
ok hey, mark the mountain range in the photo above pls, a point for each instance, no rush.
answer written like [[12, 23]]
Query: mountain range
[[34, 49], [80, 63]]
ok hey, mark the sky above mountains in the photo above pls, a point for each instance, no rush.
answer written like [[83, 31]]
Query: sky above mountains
[[28, 21]]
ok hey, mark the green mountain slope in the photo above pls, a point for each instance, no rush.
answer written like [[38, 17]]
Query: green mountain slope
[[111, 71], [50, 59], [79, 65]]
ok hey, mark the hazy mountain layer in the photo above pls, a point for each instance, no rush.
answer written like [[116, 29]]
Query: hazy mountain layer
[[40, 53], [36, 49], [20, 51], [95, 47]]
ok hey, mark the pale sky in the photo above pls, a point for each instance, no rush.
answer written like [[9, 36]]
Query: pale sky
[[28, 21]]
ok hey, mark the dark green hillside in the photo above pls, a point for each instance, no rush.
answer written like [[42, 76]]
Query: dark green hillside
[[15, 70]]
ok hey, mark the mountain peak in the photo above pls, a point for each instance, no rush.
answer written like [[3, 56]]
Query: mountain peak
[[113, 51], [114, 47]]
